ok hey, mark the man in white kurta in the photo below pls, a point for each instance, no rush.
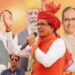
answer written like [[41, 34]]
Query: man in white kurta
[[68, 23]]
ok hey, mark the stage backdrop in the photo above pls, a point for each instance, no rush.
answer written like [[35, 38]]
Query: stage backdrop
[[19, 9]]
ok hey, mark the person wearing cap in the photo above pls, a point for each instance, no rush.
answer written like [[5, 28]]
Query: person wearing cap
[[51, 56]]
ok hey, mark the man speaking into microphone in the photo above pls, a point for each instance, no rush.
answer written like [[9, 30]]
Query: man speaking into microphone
[[26, 43], [49, 51]]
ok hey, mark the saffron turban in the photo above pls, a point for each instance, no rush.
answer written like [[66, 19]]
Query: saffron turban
[[49, 14]]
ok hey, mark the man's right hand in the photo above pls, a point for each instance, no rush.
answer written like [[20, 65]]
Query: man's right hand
[[31, 39], [7, 24]]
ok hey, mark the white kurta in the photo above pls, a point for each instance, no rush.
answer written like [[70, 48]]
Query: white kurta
[[70, 43], [56, 51]]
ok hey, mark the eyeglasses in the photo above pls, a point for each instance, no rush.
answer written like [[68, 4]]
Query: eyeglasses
[[13, 59], [42, 24]]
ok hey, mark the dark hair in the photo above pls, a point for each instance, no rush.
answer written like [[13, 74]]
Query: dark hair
[[8, 12], [14, 55], [66, 9]]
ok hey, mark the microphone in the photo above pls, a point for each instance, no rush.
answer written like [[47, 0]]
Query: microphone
[[35, 34]]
